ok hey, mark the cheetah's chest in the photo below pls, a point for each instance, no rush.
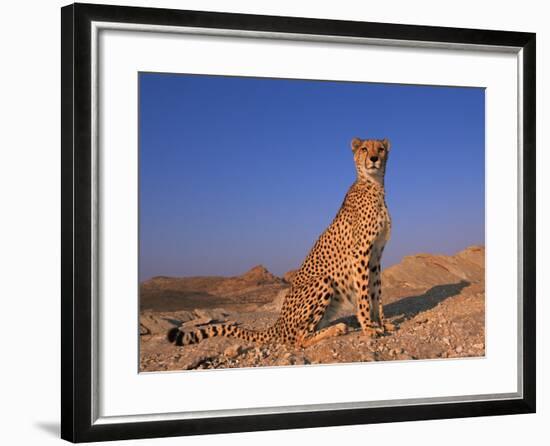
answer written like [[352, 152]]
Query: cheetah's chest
[[384, 233], [380, 232]]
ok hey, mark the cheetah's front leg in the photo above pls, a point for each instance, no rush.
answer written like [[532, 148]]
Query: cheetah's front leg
[[375, 291], [364, 299]]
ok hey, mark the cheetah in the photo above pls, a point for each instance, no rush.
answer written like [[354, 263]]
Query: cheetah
[[342, 268]]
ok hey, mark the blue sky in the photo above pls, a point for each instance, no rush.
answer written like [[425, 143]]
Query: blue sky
[[236, 172]]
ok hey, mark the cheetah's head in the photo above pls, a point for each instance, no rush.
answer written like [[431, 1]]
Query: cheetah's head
[[370, 157]]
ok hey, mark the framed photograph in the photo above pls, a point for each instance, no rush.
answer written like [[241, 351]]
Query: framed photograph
[[280, 222]]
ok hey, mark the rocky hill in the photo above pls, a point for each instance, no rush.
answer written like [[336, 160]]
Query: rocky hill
[[256, 286], [437, 302]]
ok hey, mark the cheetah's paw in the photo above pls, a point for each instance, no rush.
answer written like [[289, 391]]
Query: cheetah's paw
[[372, 331], [340, 329]]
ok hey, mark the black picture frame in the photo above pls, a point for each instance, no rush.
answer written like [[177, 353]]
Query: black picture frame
[[76, 312]]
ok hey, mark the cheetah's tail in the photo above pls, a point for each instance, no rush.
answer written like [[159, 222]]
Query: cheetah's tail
[[178, 337]]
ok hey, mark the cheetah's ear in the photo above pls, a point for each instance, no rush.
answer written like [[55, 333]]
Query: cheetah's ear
[[355, 143], [387, 144]]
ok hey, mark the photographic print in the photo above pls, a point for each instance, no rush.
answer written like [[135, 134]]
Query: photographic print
[[302, 198], [289, 222]]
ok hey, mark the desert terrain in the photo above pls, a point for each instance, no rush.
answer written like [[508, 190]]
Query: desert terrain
[[437, 303]]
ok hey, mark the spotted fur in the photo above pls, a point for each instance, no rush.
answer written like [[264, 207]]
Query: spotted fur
[[342, 268]]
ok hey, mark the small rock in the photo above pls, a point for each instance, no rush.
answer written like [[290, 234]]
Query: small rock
[[233, 351], [215, 314], [367, 356], [396, 351], [459, 349], [285, 362]]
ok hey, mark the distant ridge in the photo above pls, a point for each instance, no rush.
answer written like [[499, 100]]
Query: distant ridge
[[257, 285]]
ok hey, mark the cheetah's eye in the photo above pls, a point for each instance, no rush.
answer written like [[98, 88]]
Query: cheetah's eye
[[381, 149], [364, 149]]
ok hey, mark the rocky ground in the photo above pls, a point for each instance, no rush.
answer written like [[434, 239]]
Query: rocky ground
[[437, 303]]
